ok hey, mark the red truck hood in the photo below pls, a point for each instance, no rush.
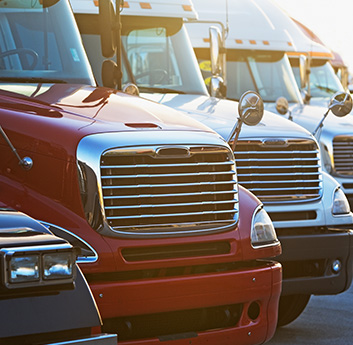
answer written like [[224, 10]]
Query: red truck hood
[[70, 112], [98, 106]]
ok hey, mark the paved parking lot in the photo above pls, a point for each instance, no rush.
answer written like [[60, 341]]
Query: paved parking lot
[[327, 320]]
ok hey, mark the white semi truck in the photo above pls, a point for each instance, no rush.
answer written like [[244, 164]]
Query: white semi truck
[[257, 59], [277, 160]]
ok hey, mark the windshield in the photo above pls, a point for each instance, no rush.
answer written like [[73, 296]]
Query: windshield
[[162, 60], [268, 73], [41, 43], [323, 81], [157, 55]]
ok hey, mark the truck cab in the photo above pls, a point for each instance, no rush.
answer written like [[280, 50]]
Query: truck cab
[[272, 158], [39, 270], [173, 248]]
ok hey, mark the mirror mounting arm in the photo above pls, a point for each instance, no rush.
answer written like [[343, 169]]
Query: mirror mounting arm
[[321, 123], [236, 130], [26, 163]]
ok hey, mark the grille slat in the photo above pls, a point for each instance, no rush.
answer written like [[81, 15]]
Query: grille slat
[[169, 205], [170, 185], [343, 155], [147, 193], [143, 166], [165, 195], [231, 172], [285, 173], [282, 182], [168, 215]]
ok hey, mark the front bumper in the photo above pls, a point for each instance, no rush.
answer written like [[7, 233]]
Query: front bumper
[[307, 262], [139, 310]]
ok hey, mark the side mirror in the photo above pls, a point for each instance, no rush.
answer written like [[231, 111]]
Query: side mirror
[[344, 77], [107, 28], [251, 111], [131, 89], [282, 105], [217, 87], [215, 47], [110, 74], [251, 108], [304, 70], [341, 104]]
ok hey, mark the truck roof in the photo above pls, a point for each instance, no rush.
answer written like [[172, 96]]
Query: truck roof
[[255, 25], [310, 43], [153, 8]]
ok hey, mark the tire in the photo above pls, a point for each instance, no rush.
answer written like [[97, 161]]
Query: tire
[[290, 307]]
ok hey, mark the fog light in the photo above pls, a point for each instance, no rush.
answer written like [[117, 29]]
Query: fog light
[[336, 266]]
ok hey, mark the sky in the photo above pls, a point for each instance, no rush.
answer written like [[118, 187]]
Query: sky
[[331, 20]]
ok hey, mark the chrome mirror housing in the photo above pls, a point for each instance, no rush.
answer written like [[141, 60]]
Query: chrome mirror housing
[[282, 105], [251, 108], [131, 89], [215, 47], [341, 104], [216, 86]]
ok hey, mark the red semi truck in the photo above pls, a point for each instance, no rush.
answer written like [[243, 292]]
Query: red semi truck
[[173, 249]]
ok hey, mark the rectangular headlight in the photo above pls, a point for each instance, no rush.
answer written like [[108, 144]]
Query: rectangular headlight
[[37, 266], [58, 265], [24, 269]]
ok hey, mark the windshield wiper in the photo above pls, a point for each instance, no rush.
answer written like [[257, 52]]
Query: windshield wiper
[[324, 88], [33, 80], [160, 90]]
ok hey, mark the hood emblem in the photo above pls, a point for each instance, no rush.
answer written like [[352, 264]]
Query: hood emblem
[[173, 151], [275, 142]]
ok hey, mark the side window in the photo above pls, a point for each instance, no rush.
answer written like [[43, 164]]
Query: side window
[[29, 35]]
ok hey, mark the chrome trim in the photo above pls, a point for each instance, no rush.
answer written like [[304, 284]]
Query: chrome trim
[[79, 259], [39, 248], [101, 339], [93, 147]]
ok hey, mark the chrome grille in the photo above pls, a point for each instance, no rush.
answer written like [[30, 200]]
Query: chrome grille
[[148, 190], [343, 155], [288, 171]]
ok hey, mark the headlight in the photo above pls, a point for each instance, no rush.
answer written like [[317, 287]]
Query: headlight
[[340, 203], [24, 269], [262, 229], [37, 265], [58, 265]]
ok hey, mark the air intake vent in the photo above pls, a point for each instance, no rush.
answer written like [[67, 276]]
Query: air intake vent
[[148, 191], [280, 173], [343, 155]]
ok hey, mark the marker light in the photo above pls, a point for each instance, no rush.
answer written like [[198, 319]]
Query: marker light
[[262, 229], [340, 203]]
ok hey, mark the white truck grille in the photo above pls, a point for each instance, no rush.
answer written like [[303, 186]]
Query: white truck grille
[[280, 171], [169, 189], [343, 155]]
